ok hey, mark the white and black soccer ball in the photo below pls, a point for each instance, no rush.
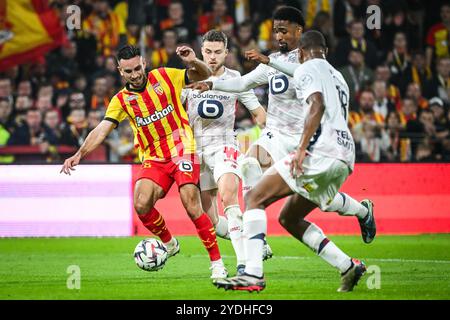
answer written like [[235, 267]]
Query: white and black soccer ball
[[150, 254]]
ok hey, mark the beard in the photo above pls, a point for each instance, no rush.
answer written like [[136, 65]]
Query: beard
[[216, 67], [283, 48]]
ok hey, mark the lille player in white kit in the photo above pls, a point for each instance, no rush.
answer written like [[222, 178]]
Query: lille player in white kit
[[285, 117], [312, 174], [212, 116]]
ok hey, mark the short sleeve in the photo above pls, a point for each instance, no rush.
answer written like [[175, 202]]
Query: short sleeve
[[307, 82], [115, 112]]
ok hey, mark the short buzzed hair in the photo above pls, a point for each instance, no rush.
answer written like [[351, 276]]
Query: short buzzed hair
[[313, 40], [128, 52], [290, 14], [215, 36]]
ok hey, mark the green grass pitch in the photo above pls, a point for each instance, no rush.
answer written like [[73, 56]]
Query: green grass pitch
[[411, 267]]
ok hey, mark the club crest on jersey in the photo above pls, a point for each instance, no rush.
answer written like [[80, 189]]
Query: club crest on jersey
[[157, 115], [158, 89], [131, 98]]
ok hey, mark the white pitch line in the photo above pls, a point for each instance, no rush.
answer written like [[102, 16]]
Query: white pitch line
[[368, 259]]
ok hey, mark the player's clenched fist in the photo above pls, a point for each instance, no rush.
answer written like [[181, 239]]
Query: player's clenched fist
[[70, 163], [256, 56], [186, 54]]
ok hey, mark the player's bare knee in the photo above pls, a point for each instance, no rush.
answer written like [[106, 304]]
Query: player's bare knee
[[229, 198], [142, 207]]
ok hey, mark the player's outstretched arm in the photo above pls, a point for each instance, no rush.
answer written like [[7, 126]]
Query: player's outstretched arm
[[287, 68], [198, 70], [312, 123], [93, 140]]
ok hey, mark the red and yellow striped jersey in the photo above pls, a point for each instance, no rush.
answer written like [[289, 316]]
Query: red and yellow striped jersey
[[159, 122]]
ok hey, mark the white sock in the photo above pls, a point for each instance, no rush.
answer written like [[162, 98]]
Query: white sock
[[251, 173], [171, 243], [255, 229], [347, 206], [235, 228], [217, 262], [316, 240], [222, 228]]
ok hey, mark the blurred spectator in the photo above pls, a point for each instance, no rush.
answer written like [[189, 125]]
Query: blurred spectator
[[440, 118], [5, 113], [415, 93], [346, 11], [356, 40], [438, 37], [398, 147], [372, 142], [62, 65], [44, 103], [421, 130], [439, 84], [396, 20], [80, 83], [442, 126], [323, 23], [5, 127], [76, 130], [366, 113], [45, 90], [419, 72], [31, 132], [399, 62], [52, 126], [100, 96], [6, 88], [24, 88], [23, 103], [107, 27], [357, 75], [424, 153], [122, 149], [243, 42], [166, 55], [176, 21], [217, 19], [383, 73], [408, 111], [93, 119], [382, 103], [313, 8]]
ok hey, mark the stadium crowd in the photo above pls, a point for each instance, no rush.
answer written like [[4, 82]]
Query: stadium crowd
[[398, 75]]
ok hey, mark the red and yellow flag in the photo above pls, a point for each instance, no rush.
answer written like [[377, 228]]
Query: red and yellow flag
[[28, 30]]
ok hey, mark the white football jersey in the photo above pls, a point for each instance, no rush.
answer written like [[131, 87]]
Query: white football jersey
[[284, 112], [333, 138], [212, 113]]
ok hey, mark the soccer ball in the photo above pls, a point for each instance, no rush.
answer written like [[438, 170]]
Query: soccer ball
[[150, 254]]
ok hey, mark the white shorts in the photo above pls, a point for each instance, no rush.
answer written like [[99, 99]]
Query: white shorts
[[277, 144], [321, 180], [215, 162]]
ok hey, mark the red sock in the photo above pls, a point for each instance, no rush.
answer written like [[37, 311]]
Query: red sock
[[155, 223], [207, 234]]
